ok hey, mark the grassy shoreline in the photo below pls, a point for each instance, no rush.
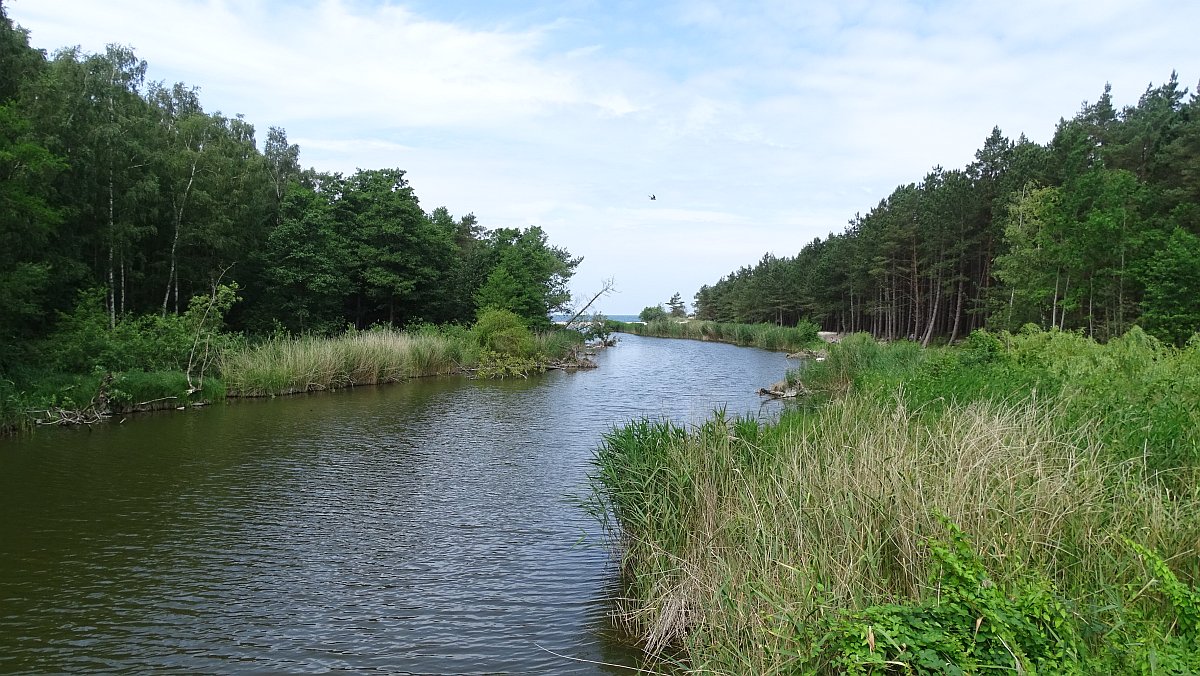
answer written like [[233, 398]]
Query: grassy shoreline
[[1016, 503], [765, 336], [281, 366]]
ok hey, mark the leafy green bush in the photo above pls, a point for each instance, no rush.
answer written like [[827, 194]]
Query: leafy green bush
[[84, 340], [653, 313], [971, 625], [503, 332]]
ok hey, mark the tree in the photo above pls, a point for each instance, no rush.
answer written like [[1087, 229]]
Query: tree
[[530, 278], [400, 258], [1171, 311], [306, 261], [677, 306], [28, 222], [283, 160], [653, 313]]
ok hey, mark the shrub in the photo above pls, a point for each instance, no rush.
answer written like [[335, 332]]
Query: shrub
[[503, 332], [653, 313]]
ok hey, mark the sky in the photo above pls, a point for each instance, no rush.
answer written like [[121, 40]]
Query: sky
[[757, 126]]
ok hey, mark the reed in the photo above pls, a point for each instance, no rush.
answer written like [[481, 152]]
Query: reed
[[780, 548], [553, 345], [1141, 395], [308, 363], [765, 336]]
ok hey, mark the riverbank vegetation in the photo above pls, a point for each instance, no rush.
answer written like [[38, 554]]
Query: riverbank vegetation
[[766, 336], [498, 345], [1097, 230], [286, 365], [123, 201], [1024, 502]]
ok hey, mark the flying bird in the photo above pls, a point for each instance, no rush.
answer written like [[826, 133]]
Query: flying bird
[[652, 197]]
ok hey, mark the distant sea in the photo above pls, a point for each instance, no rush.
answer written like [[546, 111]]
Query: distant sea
[[619, 318]]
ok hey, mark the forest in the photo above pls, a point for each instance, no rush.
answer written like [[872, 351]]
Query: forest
[[1096, 231], [122, 199]]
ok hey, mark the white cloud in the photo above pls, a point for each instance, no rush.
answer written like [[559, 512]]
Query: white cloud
[[758, 125]]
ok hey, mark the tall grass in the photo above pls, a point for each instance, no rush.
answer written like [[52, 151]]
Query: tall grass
[[733, 532], [811, 544], [765, 336], [1141, 395], [304, 364]]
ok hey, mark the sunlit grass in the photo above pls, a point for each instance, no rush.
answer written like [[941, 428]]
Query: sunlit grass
[[308, 363]]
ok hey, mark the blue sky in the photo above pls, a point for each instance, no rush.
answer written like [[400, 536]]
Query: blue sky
[[758, 125]]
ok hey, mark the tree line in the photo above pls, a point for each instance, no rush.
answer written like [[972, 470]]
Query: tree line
[[127, 196], [1096, 230]]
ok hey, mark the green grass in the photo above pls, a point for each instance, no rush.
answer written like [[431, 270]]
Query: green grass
[[140, 390], [308, 363], [291, 365], [1143, 397], [765, 336], [47, 397], [287, 365], [979, 506]]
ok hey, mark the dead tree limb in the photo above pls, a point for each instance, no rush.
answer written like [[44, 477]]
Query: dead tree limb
[[607, 287], [212, 300]]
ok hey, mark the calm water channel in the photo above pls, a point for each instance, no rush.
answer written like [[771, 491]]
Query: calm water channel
[[430, 527]]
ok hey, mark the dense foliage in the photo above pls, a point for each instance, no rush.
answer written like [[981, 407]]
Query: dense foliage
[[1098, 229], [122, 199]]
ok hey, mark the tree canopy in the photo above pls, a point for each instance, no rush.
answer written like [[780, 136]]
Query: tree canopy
[[129, 191], [1094, 231]]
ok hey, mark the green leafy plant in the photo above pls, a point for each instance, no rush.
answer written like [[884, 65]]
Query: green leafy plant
[[503, 332]]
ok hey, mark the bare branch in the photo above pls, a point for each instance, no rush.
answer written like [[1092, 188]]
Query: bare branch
[[607, 287]]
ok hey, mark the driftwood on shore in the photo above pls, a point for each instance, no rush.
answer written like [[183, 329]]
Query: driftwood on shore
[[782, 390], [818, 355]]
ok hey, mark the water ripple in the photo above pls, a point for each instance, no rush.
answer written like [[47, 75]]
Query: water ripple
[[423, 528]]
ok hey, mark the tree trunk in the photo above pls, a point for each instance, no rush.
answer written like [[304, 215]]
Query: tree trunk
[[112, 290], [937, 299], [958, 306], [1062, 322], [1091, 310], [173, 276], [1054, 304]]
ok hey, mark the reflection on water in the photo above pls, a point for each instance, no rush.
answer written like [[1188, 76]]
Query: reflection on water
[[428, 527]]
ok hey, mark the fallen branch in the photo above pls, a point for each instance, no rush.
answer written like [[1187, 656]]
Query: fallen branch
[[154, 401]]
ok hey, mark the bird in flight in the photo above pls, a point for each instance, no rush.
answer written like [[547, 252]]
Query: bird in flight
[[652, 197]]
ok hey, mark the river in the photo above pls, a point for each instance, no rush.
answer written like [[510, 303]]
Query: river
[[430, 527]]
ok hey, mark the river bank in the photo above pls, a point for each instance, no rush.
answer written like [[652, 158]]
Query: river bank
[[282, 366], [805, 336], [1022, 502]]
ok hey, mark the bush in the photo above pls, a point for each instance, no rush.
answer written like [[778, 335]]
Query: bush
[[85, 342], [503, 332], [653, 313]]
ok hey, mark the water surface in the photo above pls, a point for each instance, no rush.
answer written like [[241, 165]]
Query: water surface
[[430, 527]]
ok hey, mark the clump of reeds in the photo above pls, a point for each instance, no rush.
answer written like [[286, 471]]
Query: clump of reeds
[[1070, 466], [730, 527], [308, 363]]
